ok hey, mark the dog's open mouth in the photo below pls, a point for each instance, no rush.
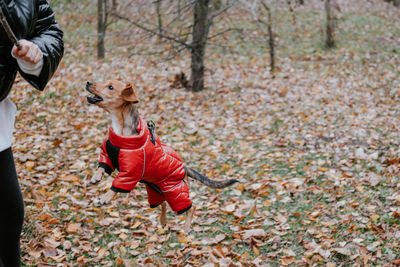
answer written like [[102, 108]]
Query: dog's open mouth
[[93, 99]]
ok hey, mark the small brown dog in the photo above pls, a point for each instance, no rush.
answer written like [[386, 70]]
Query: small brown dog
[[135, 150]]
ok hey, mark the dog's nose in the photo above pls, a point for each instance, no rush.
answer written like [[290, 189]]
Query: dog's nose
[[88, 85]]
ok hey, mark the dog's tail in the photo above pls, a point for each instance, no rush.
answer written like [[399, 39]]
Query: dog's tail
[[207, 181]]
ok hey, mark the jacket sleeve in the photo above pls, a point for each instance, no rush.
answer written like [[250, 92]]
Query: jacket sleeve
[[34, 21], [124, 183], [104, 160], [49, 37], [131, 167]]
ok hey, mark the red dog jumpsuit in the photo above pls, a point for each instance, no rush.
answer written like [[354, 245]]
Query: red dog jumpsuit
[[157, 165]]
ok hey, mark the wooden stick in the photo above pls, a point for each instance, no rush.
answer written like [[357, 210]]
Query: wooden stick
[[8, 30]]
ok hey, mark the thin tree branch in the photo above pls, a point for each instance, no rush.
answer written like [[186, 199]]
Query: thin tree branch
[[221, 11], [222, 32], [155, 32]]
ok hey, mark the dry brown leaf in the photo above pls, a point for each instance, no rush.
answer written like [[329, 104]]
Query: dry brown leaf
[[287, 260], [73, 228], [70, 178], [280, 219], [247, 234]]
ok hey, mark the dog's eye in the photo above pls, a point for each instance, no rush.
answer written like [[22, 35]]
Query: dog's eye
[[110, 87]]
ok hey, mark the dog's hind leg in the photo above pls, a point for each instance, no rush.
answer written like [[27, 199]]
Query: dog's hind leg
[[190, 212], [186, 179], [189, 218], [163, 215]]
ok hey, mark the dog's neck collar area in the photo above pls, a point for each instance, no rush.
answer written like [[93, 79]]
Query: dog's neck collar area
[[130, 142]]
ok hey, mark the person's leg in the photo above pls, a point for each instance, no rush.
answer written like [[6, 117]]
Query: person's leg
[[11, 211]]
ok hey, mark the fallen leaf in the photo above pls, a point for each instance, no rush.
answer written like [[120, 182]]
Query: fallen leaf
[[247, 234], [73, 228], [287, 260]]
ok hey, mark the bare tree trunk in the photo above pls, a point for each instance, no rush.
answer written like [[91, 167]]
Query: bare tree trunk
[[160, 24], [101, 27], [271, 42], [179, 8], [200, 33], [292, 12], [114, 6], [330, 25]]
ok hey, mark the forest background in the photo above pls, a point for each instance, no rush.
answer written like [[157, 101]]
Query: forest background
[[298, 99]]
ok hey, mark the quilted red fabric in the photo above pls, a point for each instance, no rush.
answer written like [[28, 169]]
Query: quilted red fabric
[[139, 159]]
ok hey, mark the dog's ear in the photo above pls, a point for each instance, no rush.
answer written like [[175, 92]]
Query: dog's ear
[[128, 94]]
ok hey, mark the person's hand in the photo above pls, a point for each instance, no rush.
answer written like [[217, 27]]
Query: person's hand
[[29, 52], [97, 176]]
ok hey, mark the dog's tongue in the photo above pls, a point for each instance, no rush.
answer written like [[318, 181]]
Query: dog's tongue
[[139, 126]]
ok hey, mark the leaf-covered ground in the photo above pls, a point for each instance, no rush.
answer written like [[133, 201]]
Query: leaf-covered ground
[[317, 147]]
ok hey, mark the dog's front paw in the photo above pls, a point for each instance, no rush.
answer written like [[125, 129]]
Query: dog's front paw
[[107, 197], [98, 175], [96, 201]]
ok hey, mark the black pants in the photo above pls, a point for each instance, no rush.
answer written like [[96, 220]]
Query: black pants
[[11, 212]]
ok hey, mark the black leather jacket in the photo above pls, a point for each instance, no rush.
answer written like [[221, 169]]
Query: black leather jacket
[[32, 20]]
